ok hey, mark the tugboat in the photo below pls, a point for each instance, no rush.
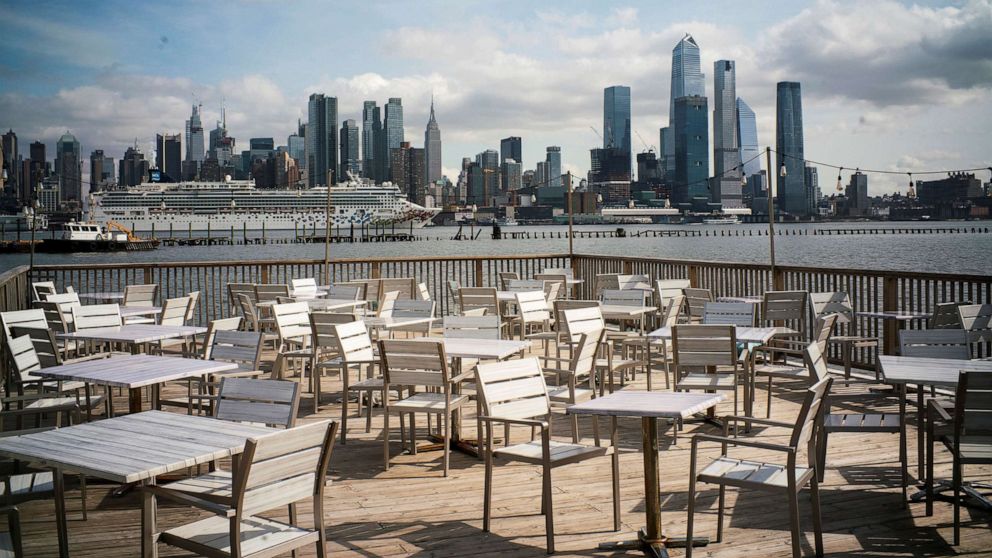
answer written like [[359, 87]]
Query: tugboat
[[91, 237]]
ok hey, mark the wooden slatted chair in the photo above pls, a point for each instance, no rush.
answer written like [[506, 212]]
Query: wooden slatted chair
[[224, 343], [976, 319], [26, 390], [42, 289], [356, 351], [323, 336], [695, 300], [472, 327], [255, 323], [270, 292], [471, 298], [945, 315], [293, 329], [799, 372], [657, 352], [934, 343], [423, 293], [534, 317], [710, 347], [606, 281], [556, 280], [95, 316], [505, 277], [575, 377], [633, 282], [387, 302], [453, 287], [214, 326], [303, 289], [740, 314], [971, 440], [788, 478], [234, 290], [47, 350], [275, 471], [59, 317], [514, 394], [665, 290], [405, 286], [785, 308], [414, 309], [10, 541], [140, 295], [839, 304], [174, 313], [345, 292], [419, 364], [34, 318]]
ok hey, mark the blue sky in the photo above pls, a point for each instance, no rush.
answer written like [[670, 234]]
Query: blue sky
[[886, 84]]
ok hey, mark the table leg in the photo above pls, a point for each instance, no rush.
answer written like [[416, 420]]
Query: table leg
[[134, 400], [149, 529], [921, 417], [61, 522]]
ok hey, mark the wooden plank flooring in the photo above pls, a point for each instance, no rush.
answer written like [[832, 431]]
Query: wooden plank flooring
[[411, 510]]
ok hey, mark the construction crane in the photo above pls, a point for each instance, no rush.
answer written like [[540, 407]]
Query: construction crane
[[595, 131], [115, 226], [648, 148]]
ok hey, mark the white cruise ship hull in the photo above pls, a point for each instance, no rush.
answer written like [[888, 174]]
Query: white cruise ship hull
[[162, 222]]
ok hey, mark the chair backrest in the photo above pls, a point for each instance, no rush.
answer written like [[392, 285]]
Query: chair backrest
[[42, 289], [58, 320], [553, 291], [639, 282], [582, 362], [235, 289], [838, 303], [370, 286], [405, 286], [824, 329], [704, 345], [194, 297], [505, 277], [976, 319], [414, 363], [577, 321], [174, 311], [248, 311], [672, 310], [816, 362], [566, 271], [479, 297], [220, 324], [730, 313], [24, 358], [556, 281], [387, 302], [423, 293], [140, 295], [625, 297], [533, 307], [696, 299], [785, 307], [934, 343], [284, 467], [345, 292], [45, 346], [665, 289], [95, 316], [513, 389], [287, 299], [352, 342], [809, 419], [292, 321], [304, 288], [239, 347], [322, 328], [270, 292], [520, 285], [453, 288], [472, 327], [945, 315], [606, 281], [413, 309], [269, 402], [34, 317], [973, 405]]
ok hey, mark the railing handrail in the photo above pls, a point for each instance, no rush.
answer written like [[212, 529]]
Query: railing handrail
[[13, 272]]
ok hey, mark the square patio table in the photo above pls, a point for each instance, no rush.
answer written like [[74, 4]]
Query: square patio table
[[892, 322]]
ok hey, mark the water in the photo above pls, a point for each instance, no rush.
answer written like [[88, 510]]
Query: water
[[969, 253]]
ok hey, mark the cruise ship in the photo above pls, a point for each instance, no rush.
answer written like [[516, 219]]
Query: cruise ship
[[218, 206]]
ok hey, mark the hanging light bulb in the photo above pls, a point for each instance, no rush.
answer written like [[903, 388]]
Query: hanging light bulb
[[781, 171], [840, 188], [911, 192]]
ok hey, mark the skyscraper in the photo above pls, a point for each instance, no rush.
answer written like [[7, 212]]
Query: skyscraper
[[432, 145], [687, 81], [553, 165], [101, 171], [371, 125], [812, 181], [69, 167], [322, 141], [408, 171], [11, 161], [616, 121], [221, 145], [726, 147], [747, 134], [296, 148], [511, 148], [194, 137], [511, 174], [393, 125], [168, 155], [350, 160], [857, 194], [691, 153], [792, 196], [133, 168]]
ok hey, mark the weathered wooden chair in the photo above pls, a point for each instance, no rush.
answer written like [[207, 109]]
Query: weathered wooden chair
[[514, 394], [293, 329], [575, 377], [934, 343], [236, 289], [140, 295], [708, 347], [695, 301], [976, 319], [408, 308], [505, 277], [740, 314], [839, 304], [772, 370], [345, 292], [355, 351], [788, 478], [534, 317], [655, 351], [10, 541], [42, 289], [303, 289], [786, 309]]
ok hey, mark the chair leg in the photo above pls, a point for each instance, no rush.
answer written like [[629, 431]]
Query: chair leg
[[956, 480], [413, 432], [385, 437], [768, 408], [721, 501], [368, 411], [292, 521], [344, 416], [549, 516], [575, 429], [487, 495], [615, 466], [794, 522], [447, 444], [821, 455], [814, 496], [929, 480], [691, 514], [82, 493]]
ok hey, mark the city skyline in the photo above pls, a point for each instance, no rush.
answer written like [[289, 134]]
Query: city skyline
[[890, 85]]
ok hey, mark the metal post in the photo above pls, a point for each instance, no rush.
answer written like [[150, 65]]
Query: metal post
[[327, 233], [771, 214], [571, 252]]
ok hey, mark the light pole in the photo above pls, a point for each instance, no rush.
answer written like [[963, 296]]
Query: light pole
[[771, 212], [570, 245], [33, 214]]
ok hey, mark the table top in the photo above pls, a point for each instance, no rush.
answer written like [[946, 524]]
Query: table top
[[622, 310], [744, 334], [307, 293], [900, 315], [647, 404], [102, 296], [927, 371], [323, 303], [134, 333], [486, 349], [128, 311], [508, 296], [373, 322], [134, 447], [134, 371]]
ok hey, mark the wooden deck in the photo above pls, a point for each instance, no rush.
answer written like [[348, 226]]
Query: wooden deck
[[412, 510]]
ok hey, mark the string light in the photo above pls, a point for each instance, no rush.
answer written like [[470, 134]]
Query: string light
[[839, 187], [781, 171], [910, 193]]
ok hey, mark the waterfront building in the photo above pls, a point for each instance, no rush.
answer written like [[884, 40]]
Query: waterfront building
[[101, 171], [687, 81], [393, 126], [690, 186], [407, 167], [432, 146], [552, 163], [11, 162], [616, 122], [194, 137], [133, 168], [511, 174], [296, 147], [791, 191], [812, 181], [371, 128], [726, 146], [168, 155], [322, 141], [747, 135], [350, 158], [955, 188], [69, 168]]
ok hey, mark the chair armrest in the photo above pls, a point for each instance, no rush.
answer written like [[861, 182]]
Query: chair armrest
[[184, 498], [935, 410], [786, 344], [523, 422], [245, 374], [462, 377], [739, 442], [727, 420]]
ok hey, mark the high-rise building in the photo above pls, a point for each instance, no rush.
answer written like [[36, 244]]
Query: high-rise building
[[322, 141], [11, 162], [791, 192], [69, 167], [747, 135], [616, 121], [488, 159], [168, 155], [101, 171], [221, 145], [553, 166], [194, 137], [857, 195], [33, 170], [687, 81], [296, 148], [432, 145], [540, 176], [133, 168], [511, 174], [511, 148], [408, 171], [350, 158], [726, 147], [690, 188], [393, 127], [371, 126], [813, 195]]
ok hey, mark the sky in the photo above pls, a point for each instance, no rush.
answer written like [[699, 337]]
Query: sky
[[902, 86]]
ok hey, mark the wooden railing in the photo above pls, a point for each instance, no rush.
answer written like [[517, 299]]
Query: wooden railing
[[869, 290]]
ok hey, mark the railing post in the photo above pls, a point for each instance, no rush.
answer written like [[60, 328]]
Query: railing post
[[890, 303], [147, 271], [628, 267], [778, 279], [693, 276], [264, 272], [478, 273], [376, 270]]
